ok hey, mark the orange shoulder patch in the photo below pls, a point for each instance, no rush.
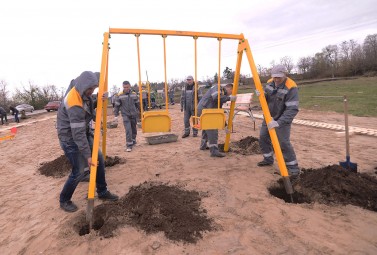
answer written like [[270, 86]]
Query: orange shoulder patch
[[73, 98], [290, 83]]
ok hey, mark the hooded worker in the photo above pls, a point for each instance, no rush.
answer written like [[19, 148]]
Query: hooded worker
[[74, 116]]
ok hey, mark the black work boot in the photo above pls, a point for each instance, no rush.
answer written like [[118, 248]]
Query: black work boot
[[68, 206], [185, 135], [108, 196], [216, 153], [203, 145], [264, 162]]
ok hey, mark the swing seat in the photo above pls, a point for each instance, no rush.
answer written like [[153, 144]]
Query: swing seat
[[156, 121], [211, 119]]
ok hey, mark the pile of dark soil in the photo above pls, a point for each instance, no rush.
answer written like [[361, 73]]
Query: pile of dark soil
[[61, 166], [153, 207], [246, 146], [332, 185]]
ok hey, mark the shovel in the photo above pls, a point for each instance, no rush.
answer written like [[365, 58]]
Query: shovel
[[347, 164]]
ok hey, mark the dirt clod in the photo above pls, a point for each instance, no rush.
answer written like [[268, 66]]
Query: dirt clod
[[154, 207], [246, 146], [61, 166], [332, 185]]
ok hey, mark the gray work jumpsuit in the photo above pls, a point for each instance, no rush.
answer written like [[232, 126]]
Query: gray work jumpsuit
[[209, 101], [127, 104], [283, 104], [188, 106]]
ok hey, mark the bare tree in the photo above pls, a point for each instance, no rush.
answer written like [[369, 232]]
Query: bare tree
[[3, 93], [288, 63], [370, 51], [331, 55], [304, 64]]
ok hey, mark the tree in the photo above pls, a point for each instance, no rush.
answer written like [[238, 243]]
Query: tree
[[3, 93], [331, 56], [304, 64], [370, 51], [287, 63], [228, 73], [215, 78]]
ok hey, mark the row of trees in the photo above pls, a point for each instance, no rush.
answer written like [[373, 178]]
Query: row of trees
[[33, 94], [349, 58]]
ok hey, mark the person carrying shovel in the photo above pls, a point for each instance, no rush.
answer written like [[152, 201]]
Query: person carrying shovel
[[282, 98], [73, 118]]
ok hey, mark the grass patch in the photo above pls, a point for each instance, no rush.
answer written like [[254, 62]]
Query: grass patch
[[361, 94]]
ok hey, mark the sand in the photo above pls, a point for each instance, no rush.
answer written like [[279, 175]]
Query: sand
[[250, 220]]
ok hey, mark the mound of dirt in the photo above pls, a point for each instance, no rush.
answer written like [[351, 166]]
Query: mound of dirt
[[332, 185], [61, 166], [246, 146], [153, 207]]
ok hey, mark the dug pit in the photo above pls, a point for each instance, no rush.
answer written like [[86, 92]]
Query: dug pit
[[246, 146], [153, 207], [61, 166], [331, 185]]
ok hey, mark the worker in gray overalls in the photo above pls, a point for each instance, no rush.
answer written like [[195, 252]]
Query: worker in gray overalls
[[209, 101], [188, 106]]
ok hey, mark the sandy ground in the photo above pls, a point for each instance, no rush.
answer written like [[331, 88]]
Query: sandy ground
[[252, 221]]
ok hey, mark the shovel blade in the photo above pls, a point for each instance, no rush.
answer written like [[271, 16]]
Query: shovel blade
[[349, 166]]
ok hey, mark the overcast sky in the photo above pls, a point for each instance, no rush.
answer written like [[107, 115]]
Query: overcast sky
[[51, 42]]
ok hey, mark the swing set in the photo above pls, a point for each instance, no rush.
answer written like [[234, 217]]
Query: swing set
[[160, 121]]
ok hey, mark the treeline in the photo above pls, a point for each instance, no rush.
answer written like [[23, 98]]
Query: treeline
[[348, 58], [34, 95]]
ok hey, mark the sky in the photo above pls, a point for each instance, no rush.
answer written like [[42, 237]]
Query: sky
[[51, 42]]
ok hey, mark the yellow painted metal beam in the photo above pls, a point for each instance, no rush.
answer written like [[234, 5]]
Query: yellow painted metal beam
[[174, 32], [234, 92]]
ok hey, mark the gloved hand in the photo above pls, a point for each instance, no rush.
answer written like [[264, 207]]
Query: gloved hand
[[272, 124], [116, 119], [257, 93], [105, 95], [232, 98]]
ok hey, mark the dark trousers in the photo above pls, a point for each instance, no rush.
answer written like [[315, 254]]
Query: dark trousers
[[2, 118], [77, 161], [131, 130]]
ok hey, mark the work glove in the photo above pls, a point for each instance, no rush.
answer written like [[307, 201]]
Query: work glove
[[116, 119], [272, 124], [257, 93], [105, 95], [232, 98]]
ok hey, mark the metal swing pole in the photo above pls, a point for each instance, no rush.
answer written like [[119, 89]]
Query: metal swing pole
[[195, 82], [218, 76], [166, 83], [138, 66]]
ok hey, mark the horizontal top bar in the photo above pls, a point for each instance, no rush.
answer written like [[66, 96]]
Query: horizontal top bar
[[173, 32]]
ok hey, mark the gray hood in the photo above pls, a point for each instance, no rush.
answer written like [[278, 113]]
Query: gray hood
[[86, 80]]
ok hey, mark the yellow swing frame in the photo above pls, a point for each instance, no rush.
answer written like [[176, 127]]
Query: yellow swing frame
[[243, 46]]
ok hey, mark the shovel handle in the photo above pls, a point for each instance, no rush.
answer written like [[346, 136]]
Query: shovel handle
[[346, 125]]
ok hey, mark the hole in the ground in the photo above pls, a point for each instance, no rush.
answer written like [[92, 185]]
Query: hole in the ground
[[331, 185], [97, 225]]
